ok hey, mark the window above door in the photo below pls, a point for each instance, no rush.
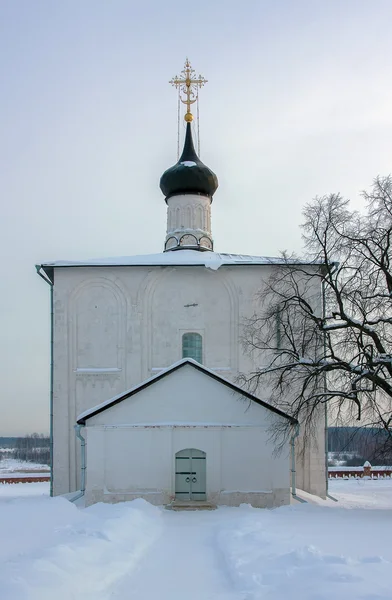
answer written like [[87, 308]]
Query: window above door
[[192, 346]]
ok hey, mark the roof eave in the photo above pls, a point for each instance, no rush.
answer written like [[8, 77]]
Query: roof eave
[[49, 267]]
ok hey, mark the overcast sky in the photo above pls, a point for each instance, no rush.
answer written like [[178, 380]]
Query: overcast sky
[[299, 103]]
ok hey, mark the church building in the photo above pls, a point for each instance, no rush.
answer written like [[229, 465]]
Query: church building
[[146, 353]]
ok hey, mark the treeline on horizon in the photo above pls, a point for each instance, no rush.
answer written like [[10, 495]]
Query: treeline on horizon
[[355, 445], [33, 447]]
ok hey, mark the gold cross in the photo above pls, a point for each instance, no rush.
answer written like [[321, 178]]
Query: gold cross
[[188, 84]]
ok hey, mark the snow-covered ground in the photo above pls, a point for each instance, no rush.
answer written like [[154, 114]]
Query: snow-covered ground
[[14, 467], [362, 493], [22, 490], [315, 551]]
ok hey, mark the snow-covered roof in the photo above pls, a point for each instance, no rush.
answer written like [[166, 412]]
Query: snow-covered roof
[[81, 419], [211, 260]]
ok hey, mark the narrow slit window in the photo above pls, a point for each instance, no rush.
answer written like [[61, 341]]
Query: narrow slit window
[[192, 346]]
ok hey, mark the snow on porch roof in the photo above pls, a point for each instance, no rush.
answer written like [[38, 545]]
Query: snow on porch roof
[[211, 260], [91, 412]]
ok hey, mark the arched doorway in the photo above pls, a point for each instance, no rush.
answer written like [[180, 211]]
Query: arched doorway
[[190, 475]]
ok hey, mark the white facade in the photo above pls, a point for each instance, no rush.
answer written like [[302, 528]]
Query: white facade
[[118, 323], [132, 445]]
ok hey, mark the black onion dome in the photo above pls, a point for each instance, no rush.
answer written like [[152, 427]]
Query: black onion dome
[[189, 175]]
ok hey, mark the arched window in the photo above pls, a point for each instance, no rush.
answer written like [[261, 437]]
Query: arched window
[[192, 346]]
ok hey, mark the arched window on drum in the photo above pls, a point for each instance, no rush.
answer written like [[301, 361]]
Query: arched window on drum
[[192, 346]]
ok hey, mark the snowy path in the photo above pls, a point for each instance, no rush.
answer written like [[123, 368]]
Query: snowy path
[[184, 562]]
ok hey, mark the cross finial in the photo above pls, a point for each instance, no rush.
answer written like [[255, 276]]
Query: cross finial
[[188, 84]]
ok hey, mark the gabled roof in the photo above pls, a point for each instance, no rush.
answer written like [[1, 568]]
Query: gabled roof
[[91, 412]]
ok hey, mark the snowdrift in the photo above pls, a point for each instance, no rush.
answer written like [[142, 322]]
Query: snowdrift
[[307, 552], [69, 553]]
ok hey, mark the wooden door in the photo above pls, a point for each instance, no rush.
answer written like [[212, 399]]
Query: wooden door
[[190, 482]]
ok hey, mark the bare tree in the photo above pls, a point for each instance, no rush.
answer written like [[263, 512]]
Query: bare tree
[[323, 333], [32, 448]]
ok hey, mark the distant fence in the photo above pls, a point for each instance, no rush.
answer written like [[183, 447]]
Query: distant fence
[[359, 472], [28, 479]]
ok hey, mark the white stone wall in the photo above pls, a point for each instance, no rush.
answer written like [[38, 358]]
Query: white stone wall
[[188, 221], [310, 460], [190, 211], [117, 326], [131, 447]]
